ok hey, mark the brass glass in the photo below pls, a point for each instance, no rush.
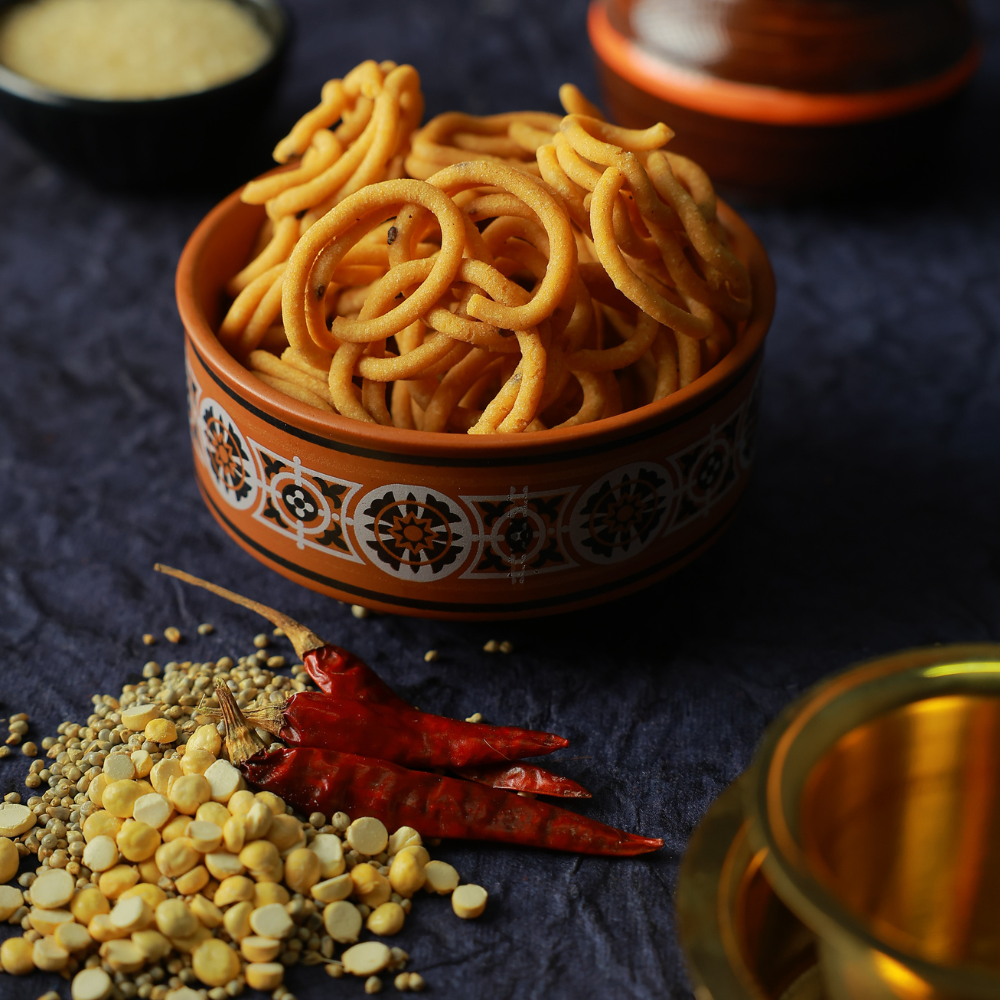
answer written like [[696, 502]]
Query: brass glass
[[874, 802]]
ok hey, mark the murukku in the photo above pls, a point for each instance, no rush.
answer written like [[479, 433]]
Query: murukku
[[595, 398], [562, 246], [457, 381], [709, 248], [454, 137], [276, 251], [244, 306], [638, 340], [323, 151], [263, 362], [572, 98], [482, 275], [625, 279], [320, 250], [378, 107], [336, 98], [302, 394]]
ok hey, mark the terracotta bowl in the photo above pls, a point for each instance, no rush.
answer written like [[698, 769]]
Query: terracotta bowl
[[451, 525]]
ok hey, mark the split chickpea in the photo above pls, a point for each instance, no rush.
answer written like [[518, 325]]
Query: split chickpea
[[17, 956], [205, 738], [265, 893], [441, 877], [176, 828], [177, 857], [116, 880], [188, 792], [469, 901], [11, 900], [342, 921], [193, 881], [386, 919], [9, 859], [302, 870], [133, 914], [406, 874], [88, 903], [257, 821], [367, 836], [119, 798], [153, 809], [255, 948], [262, 860], [371, 887], [235, 889], [236, 919], [73, 937], [213, 812], [196, 761], [46, 922], [49, 955], [206, 912], [271, 921], [164, 773], [91, 984], [137, 841], [175, 920], [205, 836], [264, 975], [215, 963]]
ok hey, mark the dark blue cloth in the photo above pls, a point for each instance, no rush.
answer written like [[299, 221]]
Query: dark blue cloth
[[872, 521]]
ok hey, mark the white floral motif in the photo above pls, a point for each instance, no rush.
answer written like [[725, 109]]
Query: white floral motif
[[306, 506], [224, 453], [412, 532]]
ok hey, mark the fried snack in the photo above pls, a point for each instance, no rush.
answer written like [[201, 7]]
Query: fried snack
[[378, 107], [454, 137], [528, 272], [545, 209]]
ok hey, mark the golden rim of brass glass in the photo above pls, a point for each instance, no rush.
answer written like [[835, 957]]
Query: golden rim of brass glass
[[874, 803]]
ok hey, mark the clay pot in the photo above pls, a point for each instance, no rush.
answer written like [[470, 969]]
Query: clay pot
[[453, 525], [785, 98]]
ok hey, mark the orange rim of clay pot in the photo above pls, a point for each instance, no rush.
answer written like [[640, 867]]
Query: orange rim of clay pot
[[765, 105], [340, 433]]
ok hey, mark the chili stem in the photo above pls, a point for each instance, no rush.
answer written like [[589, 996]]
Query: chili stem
[[266, 716], [241, 741], [302, 639]]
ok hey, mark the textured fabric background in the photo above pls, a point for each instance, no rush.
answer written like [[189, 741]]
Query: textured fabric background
[[872, 521]]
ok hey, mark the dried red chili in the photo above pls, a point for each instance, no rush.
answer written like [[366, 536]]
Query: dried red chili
[[337, 672], [414, 739], [403, 735], [327, 781], [362, 714], [521, 777]]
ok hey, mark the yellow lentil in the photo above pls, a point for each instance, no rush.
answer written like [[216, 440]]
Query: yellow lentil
[[386, 919], [160, 731]]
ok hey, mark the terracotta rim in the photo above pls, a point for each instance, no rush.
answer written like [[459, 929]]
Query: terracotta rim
[[764, 105], [408, 445]]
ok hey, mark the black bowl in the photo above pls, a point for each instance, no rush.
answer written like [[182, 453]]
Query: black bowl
[[193, 140]]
